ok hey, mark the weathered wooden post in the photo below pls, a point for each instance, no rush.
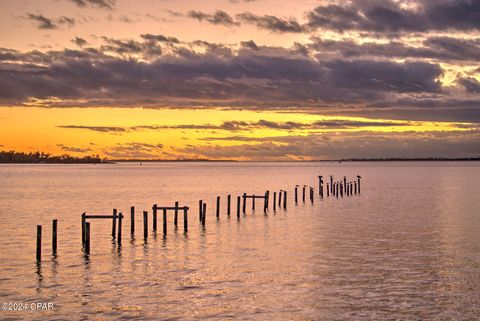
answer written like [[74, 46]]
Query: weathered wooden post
[[358, 180], [311, 194], [320, 185], [204, 213], [228, 204], [303, 194], [218, 207], [185, 219], [280, 198], [87, 238], [154, 218], [54, 237], [355, 187], [238, 206], [132, 220], [244, 207], [175, 218], [328, 190], [120, 219], [200, 209], [39, 243], [84, 220], [267, 199], [296, 192], [337, 187], [331, 184], [114, 222], [285, 200], [344, 184], [253, 202], [145, 225], [274, 201], [341, 189], [164, 221], [265, 202]]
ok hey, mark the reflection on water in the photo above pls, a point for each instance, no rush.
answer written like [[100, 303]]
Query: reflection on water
[[407, 248]]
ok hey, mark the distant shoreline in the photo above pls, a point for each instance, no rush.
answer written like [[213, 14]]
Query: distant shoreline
[[12, 157], [114, 161]]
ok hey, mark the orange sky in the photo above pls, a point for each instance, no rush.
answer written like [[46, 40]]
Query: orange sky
[[245, 80]]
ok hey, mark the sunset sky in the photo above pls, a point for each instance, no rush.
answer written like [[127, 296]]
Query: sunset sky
[[241, 79]]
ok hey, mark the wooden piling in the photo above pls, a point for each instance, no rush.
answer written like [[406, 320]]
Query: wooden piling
[[355, 187], [229, 197], [337, 187], [87, 238], [39, 243], [114, 222], [175, 218], [265, 202], [218, 207], [303, 194], [132, 220], [244, 207], [285, 200], [154, 218], [331, 184], [344, 185], [120, 219], [280, 199], [164, 221], [341, 189], [185, 219], [320, 185], [83, 228], [145, 225], [296, 196], [200, 209], [274, 201], [328, 190], [311, 194], [358, 180], [204, 213], [54, 236], [238, 206], [253, 202]]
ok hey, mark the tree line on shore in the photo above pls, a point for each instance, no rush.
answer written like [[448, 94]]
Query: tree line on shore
[[41, 157]]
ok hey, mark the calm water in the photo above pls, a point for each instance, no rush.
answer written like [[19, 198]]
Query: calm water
[[408, 248]]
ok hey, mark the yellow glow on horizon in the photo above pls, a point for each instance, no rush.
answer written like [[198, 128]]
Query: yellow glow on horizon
[[37, 129]]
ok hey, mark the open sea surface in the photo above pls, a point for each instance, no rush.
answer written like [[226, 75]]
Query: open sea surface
[[406, 248]]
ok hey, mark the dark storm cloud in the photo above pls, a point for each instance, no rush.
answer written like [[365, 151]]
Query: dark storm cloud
[[471, 85], [439, 48], [246, 126], [389, 16], [159, 71], [89, 74], [271, 23], [218, 18], [348, 145], [105, 4]]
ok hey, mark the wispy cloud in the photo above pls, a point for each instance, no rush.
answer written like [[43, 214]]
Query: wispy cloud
[[47, 23]]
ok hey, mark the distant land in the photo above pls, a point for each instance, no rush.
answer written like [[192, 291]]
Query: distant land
[[13, 157]]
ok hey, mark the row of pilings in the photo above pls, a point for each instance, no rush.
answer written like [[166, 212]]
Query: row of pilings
[[331, 188]]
